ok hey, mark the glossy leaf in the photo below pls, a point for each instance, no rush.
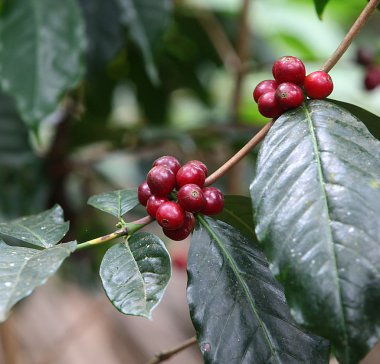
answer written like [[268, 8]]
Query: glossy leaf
[[238, 213], [135, 274], [146, 20], [24, 269], [45, 229], [316, 197], [48, 42], [320, 6], [371, 121], [238, 308], [116, 203]]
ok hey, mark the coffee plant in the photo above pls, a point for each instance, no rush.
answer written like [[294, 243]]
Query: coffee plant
[[290, 275]]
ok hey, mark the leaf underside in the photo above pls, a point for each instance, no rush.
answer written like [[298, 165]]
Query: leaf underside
[[237, 307], [116, 203], [316, 197], [135, 274], [44, 230], [24, 269], [48, 43]]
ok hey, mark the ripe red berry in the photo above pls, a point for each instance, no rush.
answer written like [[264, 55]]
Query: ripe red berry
[[289, 96], [169, 162], [190, 198], [268, 105], [214, 201], [263, 87], [201, 165], [289, 69], [170, 215], [190, 173], [161, 180], [184, 231], [318, 85], [154, 202], [372, 78], [143, 193]]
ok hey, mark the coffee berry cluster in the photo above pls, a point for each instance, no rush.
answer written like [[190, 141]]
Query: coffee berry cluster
[[366, 57], [172, 194], [290, 87]]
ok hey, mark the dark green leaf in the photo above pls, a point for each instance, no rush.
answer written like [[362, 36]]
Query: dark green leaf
[[24, 269], [371, 121], [116, 203], [135, 274], [45, 229], [238, 308], [146, 20], [316, 197], [104, 31], [238, 213], [48, 43], [320, 7]]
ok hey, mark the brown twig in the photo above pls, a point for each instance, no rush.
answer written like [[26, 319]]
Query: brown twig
[[347, 40], [239, 155], [165, 355]]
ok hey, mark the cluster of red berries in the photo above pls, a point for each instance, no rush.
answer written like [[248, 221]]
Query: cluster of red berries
[[366, 57], [173, 210], [288, 89]]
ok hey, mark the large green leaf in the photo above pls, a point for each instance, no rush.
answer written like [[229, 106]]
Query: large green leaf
[[48, 42], [238, 308], [146, 20], [371, 121], [238, 212], [24, 269], [135, 274], [116, 203], [45, 229], [316, 197]]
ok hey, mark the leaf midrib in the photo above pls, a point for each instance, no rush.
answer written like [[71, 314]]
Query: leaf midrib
[[331, 245], [243, 286]]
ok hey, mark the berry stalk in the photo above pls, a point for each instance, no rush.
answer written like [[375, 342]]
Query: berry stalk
[[239, 155], [352, 33]]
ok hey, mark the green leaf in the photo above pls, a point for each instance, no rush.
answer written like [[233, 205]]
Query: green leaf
[[116, 203], [45, 229], [146, 20], [48, 42], [371, 121], [320, 7], [316, 197], [135, 274], [24, 269], [238, 213], [238, 308]]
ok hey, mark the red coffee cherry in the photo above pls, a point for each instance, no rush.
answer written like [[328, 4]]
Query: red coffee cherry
[[214, 201], [263, 87], [318, 85], [201, 165], [372, 78], [170, 215], [184, 231], [289, 69], [190, 198], [190, 173], [169, 162], [154, 202], [289, 96], [143, 193], [268, 105], [161, 180]]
